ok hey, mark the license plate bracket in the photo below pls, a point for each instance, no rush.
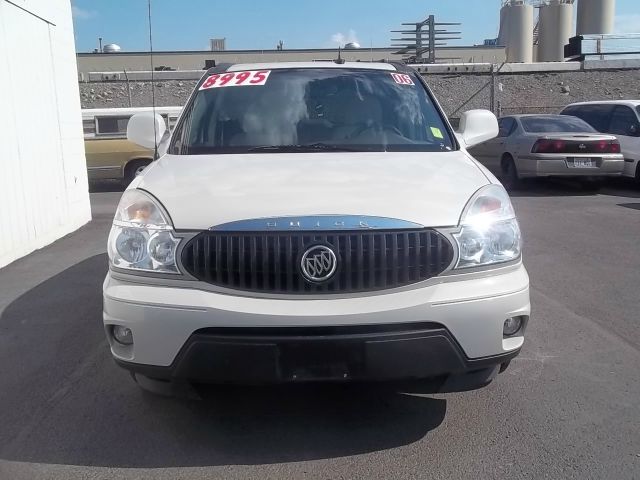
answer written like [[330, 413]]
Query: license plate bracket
[[321, 361]]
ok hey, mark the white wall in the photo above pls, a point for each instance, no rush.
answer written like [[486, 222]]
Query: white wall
[[43, 180]]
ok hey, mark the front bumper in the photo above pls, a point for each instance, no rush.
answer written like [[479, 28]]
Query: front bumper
[[548, 165], [334, 354], [451, 325]]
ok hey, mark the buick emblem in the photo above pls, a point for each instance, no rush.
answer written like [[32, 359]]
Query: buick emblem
[[318, 263]]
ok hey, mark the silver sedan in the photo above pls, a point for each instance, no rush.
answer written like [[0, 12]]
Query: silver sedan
[[549, 145]]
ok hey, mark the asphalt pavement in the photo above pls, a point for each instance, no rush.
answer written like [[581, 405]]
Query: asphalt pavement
[[568, 407]]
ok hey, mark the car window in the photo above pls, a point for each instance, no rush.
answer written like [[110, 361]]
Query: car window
[[112, 125], [555, 124], [364, 110], [89, 126], [595, 115], [507, 126], [118, 125], [624, 121]]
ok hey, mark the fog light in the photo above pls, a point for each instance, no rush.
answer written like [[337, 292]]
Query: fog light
[[512, 326], [123, 335]]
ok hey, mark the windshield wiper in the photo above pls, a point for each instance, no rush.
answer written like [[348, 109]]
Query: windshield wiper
[[311, 147]]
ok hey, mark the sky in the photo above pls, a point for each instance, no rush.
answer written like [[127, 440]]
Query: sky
[[189, 24]]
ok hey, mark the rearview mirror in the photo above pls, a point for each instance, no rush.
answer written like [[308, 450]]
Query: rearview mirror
[[477, 126], [146, 130]]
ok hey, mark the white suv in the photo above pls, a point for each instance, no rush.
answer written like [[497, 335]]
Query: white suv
[[315, 222]]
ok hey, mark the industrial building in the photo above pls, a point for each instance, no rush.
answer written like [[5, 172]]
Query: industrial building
[[530, 31], [43, 184], [198, 60], [528, 39]]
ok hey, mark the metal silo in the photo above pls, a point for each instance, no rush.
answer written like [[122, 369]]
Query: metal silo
[[518, 18], [503, 35], [596, 16], [556, 28]]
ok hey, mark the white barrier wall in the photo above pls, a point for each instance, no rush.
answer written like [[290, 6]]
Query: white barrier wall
[[43, 180]]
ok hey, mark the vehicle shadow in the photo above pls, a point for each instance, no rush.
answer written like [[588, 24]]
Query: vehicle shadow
[[64, 401], [559, 187], [105, 186], [633, 206]]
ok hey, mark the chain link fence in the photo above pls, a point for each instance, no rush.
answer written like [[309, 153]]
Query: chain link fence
[[502, 110]]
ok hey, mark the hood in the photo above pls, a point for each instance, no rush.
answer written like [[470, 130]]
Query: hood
[[202, 191]]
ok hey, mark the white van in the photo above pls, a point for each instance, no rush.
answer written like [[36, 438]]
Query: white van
[[109, 154], [617, 117]]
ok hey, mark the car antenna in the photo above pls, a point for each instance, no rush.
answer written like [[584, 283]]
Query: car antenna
[[153, 86], [339, 60]]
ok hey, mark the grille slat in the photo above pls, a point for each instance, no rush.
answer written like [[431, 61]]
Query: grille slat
[[384, 268], [269, 262], [254, 263], [241, 262]]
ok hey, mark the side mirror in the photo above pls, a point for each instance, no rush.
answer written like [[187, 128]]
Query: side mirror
[[146, 130], [477, 126], [634, 131]]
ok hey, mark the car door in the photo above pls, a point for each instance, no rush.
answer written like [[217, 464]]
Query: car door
[[109, 151], [625, 125], [490, 153]]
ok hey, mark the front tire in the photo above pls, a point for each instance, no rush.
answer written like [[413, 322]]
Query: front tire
[[133, 169], [510, 178]]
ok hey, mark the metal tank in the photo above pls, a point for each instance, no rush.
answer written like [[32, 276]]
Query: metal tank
[[111, 48], [556, 28], [596, 17], [517, 20], [503, 35]]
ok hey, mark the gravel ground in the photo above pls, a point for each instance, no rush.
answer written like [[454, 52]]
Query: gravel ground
[[521, 93]]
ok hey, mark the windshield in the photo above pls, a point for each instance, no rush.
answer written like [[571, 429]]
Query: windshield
[[556, 124], [311, 109]]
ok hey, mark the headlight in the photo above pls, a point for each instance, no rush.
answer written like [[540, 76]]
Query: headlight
[[142, 236], [489, 232]]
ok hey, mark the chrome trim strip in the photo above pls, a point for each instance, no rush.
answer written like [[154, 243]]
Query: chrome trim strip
[[192, 284], [115, 167], [317, 223]]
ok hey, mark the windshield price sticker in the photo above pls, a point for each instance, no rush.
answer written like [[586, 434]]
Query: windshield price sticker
[[402, 79], [236, 79]]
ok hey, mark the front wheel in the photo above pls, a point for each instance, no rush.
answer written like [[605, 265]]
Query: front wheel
[[510, 178], [134, 168]]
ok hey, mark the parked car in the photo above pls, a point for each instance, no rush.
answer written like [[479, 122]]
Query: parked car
[[315, 222], [109, 154], [549, 146], [620, 118]]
